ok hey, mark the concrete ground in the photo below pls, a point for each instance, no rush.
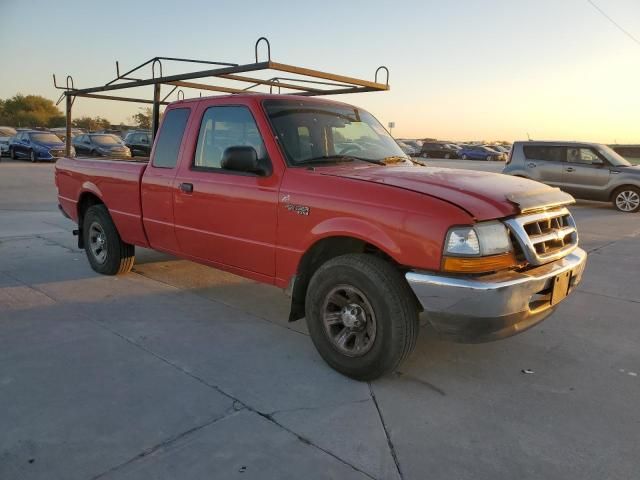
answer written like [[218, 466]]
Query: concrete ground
[[178, 371]]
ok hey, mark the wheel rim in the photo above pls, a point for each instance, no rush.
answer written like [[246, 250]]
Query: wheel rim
[[349, 321], [33, 156], [98, 242], [627, 200]]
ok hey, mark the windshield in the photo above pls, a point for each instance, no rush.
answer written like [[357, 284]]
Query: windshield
[[45, 138], [311, 131], [105, 139], [614, 157]]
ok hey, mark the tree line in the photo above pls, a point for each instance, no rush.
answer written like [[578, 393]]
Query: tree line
[[38, 111]]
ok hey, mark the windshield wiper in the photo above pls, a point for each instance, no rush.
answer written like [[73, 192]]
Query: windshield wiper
[[397, 159], [338, 159]]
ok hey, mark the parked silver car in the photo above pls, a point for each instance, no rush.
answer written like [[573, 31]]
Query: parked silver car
[[5, 135], [590, 171]]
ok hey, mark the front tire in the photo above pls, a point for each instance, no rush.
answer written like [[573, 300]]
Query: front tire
[[105, 250], [362, 316], [627, 199], [12, 154], [464, 156]]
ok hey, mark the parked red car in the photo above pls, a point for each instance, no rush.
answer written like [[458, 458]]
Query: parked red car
[[315, 197]]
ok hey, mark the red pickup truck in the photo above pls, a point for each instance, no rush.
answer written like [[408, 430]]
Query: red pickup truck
[[315, 197]]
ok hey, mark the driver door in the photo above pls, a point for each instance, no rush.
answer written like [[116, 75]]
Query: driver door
[[585, 174], [224, 217]]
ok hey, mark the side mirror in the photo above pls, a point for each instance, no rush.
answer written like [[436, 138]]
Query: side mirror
[[243, 159]]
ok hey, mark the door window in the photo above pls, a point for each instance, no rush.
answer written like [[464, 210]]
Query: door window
[[224, 127], [585, 156], [544, 153]]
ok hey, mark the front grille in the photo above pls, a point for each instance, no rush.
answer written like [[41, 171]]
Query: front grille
[[544, 237], [56, 153]]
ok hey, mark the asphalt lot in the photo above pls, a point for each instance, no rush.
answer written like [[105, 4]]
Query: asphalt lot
[[179, 371]]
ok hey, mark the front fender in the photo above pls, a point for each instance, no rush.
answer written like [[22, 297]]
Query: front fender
[[354, 228]]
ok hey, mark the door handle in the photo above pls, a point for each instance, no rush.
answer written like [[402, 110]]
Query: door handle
[[531, 165], [569, 169], [186, 187]]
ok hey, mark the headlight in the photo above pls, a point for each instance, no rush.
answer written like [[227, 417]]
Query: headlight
[[482, 248], [487, 238]]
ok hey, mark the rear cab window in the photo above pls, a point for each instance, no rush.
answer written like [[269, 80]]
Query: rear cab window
[[170, 135]]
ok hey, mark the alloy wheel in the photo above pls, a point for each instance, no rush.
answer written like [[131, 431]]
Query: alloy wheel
[[98, 242], [349, 321], [627, 200]]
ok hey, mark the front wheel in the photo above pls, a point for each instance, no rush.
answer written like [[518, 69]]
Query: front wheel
[[464, 156], [12, 154], [33, 157], [105, 250], [627, 199], [362, 316]]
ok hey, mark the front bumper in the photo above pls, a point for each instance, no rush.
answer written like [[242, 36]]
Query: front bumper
[[481, 309]]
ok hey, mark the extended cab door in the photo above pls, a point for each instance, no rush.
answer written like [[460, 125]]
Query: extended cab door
[[586, 173], [544, 163], [225, 217], [157, 181]]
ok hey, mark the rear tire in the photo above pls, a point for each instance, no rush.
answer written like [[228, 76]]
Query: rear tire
[[105, 250], [362, 315], [626, 199]]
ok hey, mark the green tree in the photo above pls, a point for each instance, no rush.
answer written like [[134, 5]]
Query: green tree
[[142, 119], [29, 111], [91, 123]]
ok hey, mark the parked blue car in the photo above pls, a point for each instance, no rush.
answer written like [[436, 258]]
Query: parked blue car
[[36, 145], [478, 152]]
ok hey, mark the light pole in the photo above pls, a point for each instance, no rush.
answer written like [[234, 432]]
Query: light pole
[[391, 125]]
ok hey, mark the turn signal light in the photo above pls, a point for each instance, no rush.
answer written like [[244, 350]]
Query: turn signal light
[[479, 264]]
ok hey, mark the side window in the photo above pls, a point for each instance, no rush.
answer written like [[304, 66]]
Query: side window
[[304, 141], [170, 138], [224, 127], [585, 156], [544, 153]]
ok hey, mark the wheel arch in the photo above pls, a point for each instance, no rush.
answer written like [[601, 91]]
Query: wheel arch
[[87, 199], [321, 251], [615, 190]]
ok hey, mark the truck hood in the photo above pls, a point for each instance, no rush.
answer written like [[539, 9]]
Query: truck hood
[[484, 195]]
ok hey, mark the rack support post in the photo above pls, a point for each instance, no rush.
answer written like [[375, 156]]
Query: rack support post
[[155, 116], [67, 141]]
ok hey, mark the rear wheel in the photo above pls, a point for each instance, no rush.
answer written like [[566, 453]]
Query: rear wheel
[[106, 251], [362, 316], [627, 199]]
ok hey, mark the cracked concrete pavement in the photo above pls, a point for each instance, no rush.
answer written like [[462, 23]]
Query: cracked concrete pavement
[[181, 371]]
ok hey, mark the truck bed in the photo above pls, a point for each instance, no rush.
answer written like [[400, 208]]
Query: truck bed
[[114, 182]]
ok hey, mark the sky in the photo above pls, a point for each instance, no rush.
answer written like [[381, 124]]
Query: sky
[[459, 70]]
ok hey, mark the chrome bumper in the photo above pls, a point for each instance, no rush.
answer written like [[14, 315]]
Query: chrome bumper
[[479, 309]]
